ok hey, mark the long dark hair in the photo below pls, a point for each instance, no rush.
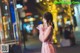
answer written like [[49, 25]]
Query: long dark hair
[[49, 18]]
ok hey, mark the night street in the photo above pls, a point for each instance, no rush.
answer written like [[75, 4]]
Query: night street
[[34, 46], [29, 26]]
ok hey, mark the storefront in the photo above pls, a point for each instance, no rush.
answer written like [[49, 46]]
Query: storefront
[[9, 24]]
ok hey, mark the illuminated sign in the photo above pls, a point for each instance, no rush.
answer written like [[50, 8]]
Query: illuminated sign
[[12, 12]]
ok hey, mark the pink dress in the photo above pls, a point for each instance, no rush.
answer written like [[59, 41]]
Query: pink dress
[[45, 36]]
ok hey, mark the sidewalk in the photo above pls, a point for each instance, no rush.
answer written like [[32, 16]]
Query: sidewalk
[[34, 46], [75, 49]]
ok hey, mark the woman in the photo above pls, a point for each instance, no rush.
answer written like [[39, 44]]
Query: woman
[[46, 32]]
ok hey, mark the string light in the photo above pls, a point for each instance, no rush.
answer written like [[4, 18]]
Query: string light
[[47, 0], [40, 0]]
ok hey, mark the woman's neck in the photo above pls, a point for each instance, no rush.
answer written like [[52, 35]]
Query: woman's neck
[[45, 24]]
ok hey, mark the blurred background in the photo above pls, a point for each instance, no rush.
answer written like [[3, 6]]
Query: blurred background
[[19, 19]]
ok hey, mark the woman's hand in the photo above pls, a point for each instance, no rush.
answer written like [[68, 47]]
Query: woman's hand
[[39, 26]]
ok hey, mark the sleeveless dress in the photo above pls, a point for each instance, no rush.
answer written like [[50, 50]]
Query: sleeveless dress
[[45, 36]]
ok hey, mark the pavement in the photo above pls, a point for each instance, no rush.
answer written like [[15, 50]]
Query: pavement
[[75, 49], [33, 45]]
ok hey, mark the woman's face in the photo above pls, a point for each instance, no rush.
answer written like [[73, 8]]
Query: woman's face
[[44, 20]]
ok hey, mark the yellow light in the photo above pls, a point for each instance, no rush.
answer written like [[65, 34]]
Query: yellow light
[[4, 18], [41, 18], [47, 0], [55, 41], [58, 8], [44, 3], [5, 27], [31, 19], [65, 19], [6, 36], [26, 20], [64, 10], [40, 0], [5, 23]]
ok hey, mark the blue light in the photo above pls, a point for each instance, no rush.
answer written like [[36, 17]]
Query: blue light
[[28, 27], [12, 12], [29, 17]]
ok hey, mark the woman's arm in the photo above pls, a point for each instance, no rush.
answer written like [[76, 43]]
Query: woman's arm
[[47, 33], [40, 28], [44, 34]]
